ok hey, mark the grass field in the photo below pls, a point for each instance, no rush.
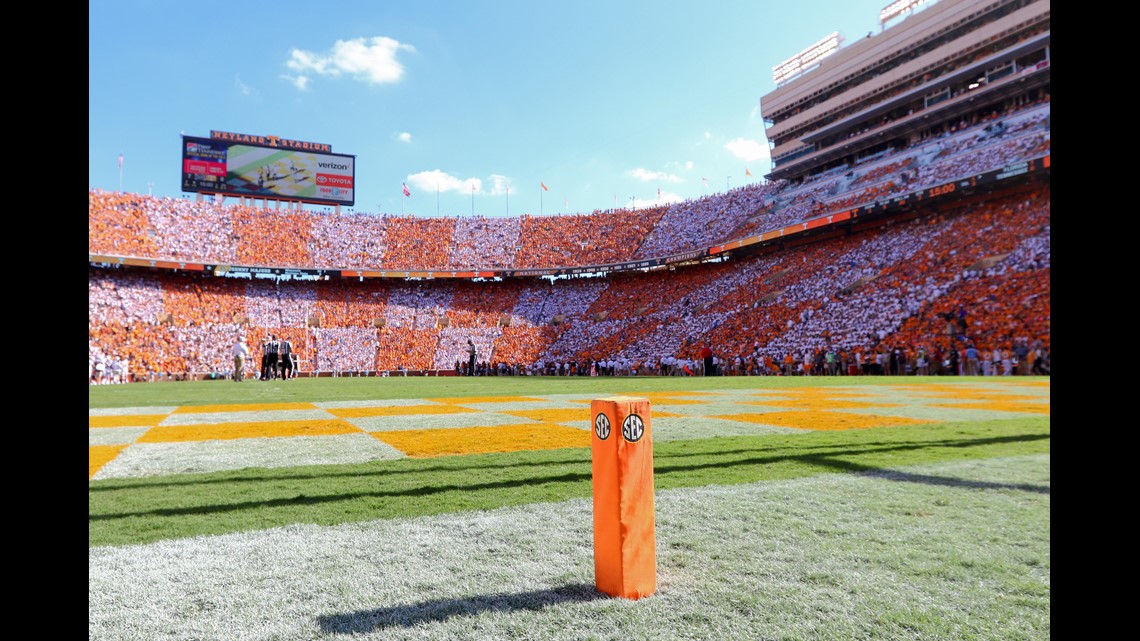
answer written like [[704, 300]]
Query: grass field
[[460, 508]]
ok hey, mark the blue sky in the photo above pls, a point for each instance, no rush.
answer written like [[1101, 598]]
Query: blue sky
[[605, 102]]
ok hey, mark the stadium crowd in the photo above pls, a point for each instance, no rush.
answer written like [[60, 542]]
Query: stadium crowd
[[913, 296], [180, 229], [983, 262]]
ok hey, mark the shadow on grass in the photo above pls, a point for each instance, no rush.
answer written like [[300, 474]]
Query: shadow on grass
[[820, 461], [434, 611], [928, 479]]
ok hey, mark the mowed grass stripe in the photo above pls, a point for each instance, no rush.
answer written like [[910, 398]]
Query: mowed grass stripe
[[250, 407], [656, 401], [253, 429], [400, 410], [814, 392], [464, 400], [481, 440], [151, 509], [344, 391]]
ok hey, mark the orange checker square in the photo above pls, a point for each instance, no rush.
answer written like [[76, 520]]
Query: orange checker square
[[818, 403], [972, 395], [483, 439], [100, 455], [823, 420], [126, 420], [250, 429], [625, 543], [1000, 405]]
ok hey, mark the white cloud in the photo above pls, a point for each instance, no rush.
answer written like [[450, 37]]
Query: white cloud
[[300, 82], [404, 136], [665, 199], [435, 179], [370, 60], [748, 150], [498, 185], [673, 165], [648, 175], [243, 88]]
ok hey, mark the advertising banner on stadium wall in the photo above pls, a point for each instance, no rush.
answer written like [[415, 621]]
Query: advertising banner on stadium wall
[[217, 166], [274, 273]]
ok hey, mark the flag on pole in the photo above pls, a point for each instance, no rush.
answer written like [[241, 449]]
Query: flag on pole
[[658, 192], [746, 172], [544, 187], [407, 192], [120, 160], [566, 202], [705, 181]]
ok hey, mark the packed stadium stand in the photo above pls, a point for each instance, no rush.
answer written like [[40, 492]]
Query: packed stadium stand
[[907, 216]]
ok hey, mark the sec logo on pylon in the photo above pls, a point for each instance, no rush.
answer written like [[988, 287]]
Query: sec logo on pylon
[[632, 428], [602, 426]]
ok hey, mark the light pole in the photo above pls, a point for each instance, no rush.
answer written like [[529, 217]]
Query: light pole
[[726, 182]]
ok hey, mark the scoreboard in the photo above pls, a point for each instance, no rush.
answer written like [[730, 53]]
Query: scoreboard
[[230, 168]]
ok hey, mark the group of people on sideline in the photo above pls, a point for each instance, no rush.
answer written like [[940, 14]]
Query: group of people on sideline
[[278, 360]]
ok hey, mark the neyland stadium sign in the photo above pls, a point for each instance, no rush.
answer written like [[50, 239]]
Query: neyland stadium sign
[[270, 141]]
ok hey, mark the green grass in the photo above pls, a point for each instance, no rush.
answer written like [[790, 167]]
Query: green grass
[[370, 388], [952, 551], [937, 531], [146, 510]]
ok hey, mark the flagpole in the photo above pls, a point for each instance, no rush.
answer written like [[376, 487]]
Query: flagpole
[[472, 200], [437, 199], [508, 200], [539, 201]]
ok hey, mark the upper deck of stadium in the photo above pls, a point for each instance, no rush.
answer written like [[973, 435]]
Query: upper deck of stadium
[[950, 93], [134, 225], [886, 90]]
